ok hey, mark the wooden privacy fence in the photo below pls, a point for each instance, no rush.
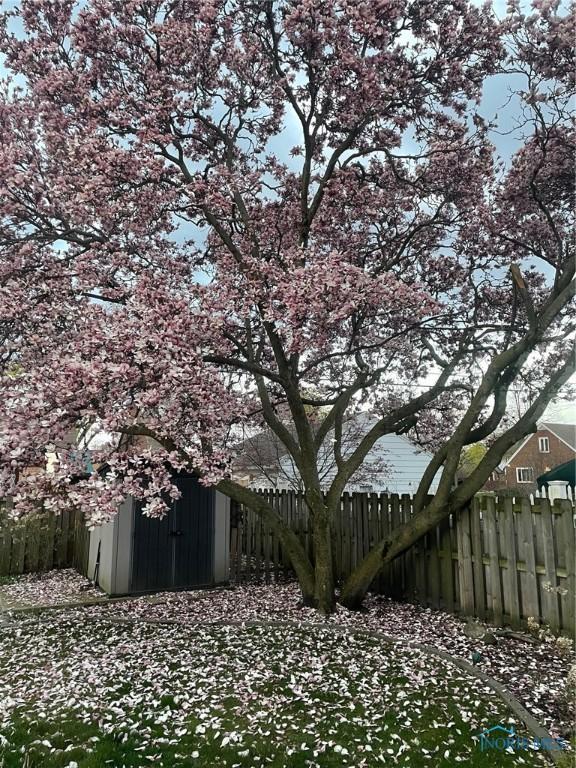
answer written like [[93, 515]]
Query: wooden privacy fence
[[42, 542], [502, 560]]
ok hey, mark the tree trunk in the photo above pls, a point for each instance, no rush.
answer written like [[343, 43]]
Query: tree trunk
[[324, 594], [358, 583], [290, 542], [401, 539], [301, 565]]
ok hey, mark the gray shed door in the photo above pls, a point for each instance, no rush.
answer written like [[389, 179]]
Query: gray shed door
[[177, 551]]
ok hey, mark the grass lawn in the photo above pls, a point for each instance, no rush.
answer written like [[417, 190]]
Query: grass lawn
[[89, 693]]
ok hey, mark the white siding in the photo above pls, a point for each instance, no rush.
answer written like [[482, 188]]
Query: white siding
[[405, 465]]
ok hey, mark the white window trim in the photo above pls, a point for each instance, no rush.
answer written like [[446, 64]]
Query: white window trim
[[521, 469], [544, 441]]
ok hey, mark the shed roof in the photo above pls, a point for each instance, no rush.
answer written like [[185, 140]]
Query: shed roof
[[565, 472]]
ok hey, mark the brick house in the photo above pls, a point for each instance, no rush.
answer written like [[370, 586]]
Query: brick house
[[549, 446]]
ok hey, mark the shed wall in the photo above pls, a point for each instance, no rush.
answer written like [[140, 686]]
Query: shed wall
[[221, 538], [116, 540], [102, 538], [122, 555]]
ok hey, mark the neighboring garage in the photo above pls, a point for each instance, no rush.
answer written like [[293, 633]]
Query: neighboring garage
[[187, 548]]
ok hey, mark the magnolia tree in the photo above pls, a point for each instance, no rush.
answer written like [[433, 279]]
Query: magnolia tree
[[214, 212]]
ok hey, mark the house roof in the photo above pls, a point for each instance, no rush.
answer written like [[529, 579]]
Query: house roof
[[511, 452], [565, 432]]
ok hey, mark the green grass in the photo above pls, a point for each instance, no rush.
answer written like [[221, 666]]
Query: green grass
[[99, 694]]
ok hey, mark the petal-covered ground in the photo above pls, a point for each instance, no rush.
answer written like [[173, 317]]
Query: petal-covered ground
[[38, 589], [535, 673], [86, 692]]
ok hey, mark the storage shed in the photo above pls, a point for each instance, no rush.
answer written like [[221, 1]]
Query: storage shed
[[187, 548]]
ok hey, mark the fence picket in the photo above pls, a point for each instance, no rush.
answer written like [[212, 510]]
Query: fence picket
[[408, 557], [257, 547], [550, 595], [477, 560], [346, 534], [18, 550], [494, 555], [267, 552], [385, 574], [530, 602], [512, 592], [32, 544], [447, 574], [421, 591], [240, 539], [5, 552], [62, 539], [434, 568], [249, 543], [365, 507], [374, 526], [396, 565], [284, 511], [565, 526], [357, 513]]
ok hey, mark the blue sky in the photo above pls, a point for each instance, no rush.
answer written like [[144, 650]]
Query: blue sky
[[496, 100]]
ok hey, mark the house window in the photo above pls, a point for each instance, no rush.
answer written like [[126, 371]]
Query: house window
[[365, 488], [524, 474], [543, 445]]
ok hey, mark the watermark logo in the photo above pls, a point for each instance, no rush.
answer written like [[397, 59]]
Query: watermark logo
[[506, 739]]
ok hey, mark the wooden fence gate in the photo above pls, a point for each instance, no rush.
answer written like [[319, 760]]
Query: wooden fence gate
[[502, 560]]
